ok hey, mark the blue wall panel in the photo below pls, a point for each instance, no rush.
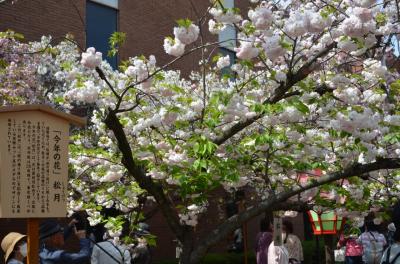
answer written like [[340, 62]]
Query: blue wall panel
[[101, 22]]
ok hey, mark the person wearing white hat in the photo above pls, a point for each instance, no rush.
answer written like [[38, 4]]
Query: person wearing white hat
[[14, 247]]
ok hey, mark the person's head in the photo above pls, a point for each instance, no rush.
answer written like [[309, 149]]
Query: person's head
[[370, 226], [51, 234], [287, 227], [14, 246], [350, 230], [265, 225], [391, 227], [143, 230]]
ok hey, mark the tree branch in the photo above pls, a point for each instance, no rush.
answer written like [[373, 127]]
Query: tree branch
[[279, 94], [279, 201], [145, 182]]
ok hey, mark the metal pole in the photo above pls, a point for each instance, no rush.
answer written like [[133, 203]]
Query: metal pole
[[33, 240], [317, 248], [244, 232], [245, 242]]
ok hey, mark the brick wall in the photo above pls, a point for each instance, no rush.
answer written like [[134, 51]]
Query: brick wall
[[35, 18], [148, 22]]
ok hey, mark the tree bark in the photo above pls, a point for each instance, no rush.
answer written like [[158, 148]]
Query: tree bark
[[165, 204], [274, 202], [329, 258], [187, 249], [193, 254]]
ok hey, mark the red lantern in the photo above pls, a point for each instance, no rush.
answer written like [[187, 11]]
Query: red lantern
[[323, 223]]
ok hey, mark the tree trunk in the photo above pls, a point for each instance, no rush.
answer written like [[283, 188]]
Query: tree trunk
[[186, 259], [186, 256], [329, 258]]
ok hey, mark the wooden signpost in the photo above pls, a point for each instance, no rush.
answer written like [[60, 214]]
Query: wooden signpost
[[277, 231], [34, 166]]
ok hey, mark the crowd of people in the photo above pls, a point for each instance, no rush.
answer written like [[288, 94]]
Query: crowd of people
[[52, 237], [364, 245], [367, 247], [371, 246]]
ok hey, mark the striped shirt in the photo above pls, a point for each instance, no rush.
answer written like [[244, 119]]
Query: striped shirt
[[373, 244]]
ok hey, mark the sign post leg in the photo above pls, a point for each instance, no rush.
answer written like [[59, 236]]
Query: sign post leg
[[33, 240], [245, 243]]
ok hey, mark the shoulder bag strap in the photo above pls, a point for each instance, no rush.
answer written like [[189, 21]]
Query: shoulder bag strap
[[395, 258], [388, 255], [373, 243], [120, 252], [105, 251]]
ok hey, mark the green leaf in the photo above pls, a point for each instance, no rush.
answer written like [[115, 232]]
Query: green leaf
[[381, 18], [116, 40], [216, 58], [301, 106], [3, 64], [247, 63], [285, 45], [184, 22]]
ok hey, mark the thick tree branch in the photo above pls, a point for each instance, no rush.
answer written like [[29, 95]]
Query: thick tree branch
[[145, 182], [274, 202], [279, 94]]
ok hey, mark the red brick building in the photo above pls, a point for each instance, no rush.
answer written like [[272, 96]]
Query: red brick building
[[146, 23]]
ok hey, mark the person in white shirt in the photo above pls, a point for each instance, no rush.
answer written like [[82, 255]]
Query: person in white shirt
[[15, 248], [292, 243], [109, 252], [277, 254]]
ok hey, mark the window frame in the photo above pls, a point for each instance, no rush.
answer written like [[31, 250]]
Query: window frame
[[109, 3]]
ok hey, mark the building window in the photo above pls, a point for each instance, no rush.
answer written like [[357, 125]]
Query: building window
[[109, 3], [101, 22], [227, 37]]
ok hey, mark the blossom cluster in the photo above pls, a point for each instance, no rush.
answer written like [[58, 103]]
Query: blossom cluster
[[312, 87]]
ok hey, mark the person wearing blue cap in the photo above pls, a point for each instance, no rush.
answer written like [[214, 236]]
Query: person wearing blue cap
[[52, 238]]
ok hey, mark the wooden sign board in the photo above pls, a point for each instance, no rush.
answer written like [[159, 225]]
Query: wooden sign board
[[277, 231], [33, 161]]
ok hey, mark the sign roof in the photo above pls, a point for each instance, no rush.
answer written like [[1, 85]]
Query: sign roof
[[73, 119]]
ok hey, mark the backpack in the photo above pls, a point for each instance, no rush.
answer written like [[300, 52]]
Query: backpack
[[375, 254], [386, 261]]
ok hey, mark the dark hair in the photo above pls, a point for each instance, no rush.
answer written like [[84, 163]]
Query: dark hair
[[82, 220], [396, 213], [396, 235], [16, 248], [12, 255], [288, 226], [265, 225], [369, 224]]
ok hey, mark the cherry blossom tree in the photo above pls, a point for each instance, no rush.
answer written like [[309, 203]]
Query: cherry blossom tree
[[314, 86]]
